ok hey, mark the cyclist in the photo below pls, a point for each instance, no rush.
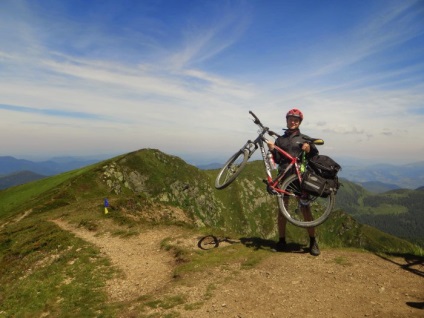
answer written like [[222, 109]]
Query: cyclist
[[292, 141]]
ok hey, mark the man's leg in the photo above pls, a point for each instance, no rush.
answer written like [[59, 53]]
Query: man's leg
[[307, 216], [281, 220], [313, 245], [281, 225]]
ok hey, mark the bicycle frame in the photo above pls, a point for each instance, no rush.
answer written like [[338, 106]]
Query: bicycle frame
[[273, 183], [259, 142]]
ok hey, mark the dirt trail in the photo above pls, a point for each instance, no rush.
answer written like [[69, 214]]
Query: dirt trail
[[338, 283], [145, 267], [17, 219]]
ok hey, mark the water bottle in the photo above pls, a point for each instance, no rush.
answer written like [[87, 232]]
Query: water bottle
[[303, 163], [271, 161]]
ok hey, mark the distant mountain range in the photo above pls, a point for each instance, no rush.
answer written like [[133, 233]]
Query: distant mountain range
[[409, 176], [378, 187], [18, 178], [210, 166], [376, 178], [10, 165]]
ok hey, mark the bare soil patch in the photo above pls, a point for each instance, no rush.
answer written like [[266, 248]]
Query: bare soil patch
[[338, 283]]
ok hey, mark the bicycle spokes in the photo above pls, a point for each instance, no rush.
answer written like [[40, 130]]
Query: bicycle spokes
[[231, 169], [303, 209]]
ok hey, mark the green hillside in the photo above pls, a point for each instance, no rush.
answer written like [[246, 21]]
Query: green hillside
[[147, 185], [398, 212], [47, 271]]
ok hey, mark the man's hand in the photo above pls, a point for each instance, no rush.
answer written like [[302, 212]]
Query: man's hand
[[306, 147], [270, 145]]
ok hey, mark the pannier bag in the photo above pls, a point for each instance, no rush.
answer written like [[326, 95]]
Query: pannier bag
[[318, 186], [324, 166]]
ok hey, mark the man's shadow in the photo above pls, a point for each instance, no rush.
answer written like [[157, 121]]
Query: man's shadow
[[413, 263], [258, 243]]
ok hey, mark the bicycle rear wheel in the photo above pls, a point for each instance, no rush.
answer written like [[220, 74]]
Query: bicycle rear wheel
[[231, 169], [208, 242], [320, 207]]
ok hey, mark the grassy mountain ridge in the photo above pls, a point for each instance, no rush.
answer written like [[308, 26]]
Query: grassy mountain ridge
[[138, 183], [47, 271]]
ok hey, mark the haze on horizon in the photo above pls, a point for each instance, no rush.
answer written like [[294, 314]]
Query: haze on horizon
[[81, 78]]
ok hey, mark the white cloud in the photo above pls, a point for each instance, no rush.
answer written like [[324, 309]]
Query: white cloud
[[168, 97]]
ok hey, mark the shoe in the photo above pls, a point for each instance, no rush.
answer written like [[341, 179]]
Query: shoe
[[314, 249], [281, 245]]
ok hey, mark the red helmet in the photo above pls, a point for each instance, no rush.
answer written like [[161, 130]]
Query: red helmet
[[295, 113]]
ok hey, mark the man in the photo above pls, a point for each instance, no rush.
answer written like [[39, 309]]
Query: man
[[292, 141]]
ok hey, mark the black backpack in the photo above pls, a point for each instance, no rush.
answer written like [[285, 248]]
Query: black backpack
[[320, 179], [324, 166]]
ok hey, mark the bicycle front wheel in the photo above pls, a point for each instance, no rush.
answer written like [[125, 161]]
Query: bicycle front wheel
[[292, 205], [231, 169]]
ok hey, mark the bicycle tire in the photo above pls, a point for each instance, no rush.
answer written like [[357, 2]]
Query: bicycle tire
[[231, 169], [208, 242], [320, 207]]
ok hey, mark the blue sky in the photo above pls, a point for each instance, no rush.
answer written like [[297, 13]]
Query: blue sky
[[110, 77]]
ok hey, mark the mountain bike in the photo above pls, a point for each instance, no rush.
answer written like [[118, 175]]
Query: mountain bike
[[286, 185]]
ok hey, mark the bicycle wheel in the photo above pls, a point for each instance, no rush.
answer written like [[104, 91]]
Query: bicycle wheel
[[208, 242], [231, 169], [320, 207]]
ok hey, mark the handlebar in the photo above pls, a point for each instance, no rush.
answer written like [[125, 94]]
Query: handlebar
[[256, 121], [315, 141]]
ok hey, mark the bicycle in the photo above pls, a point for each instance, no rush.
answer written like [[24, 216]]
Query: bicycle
[[285, 184], [211, 241]]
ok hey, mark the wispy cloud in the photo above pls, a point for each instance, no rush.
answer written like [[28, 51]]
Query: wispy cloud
[[170, 83], [206, 36], [53, 112]]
